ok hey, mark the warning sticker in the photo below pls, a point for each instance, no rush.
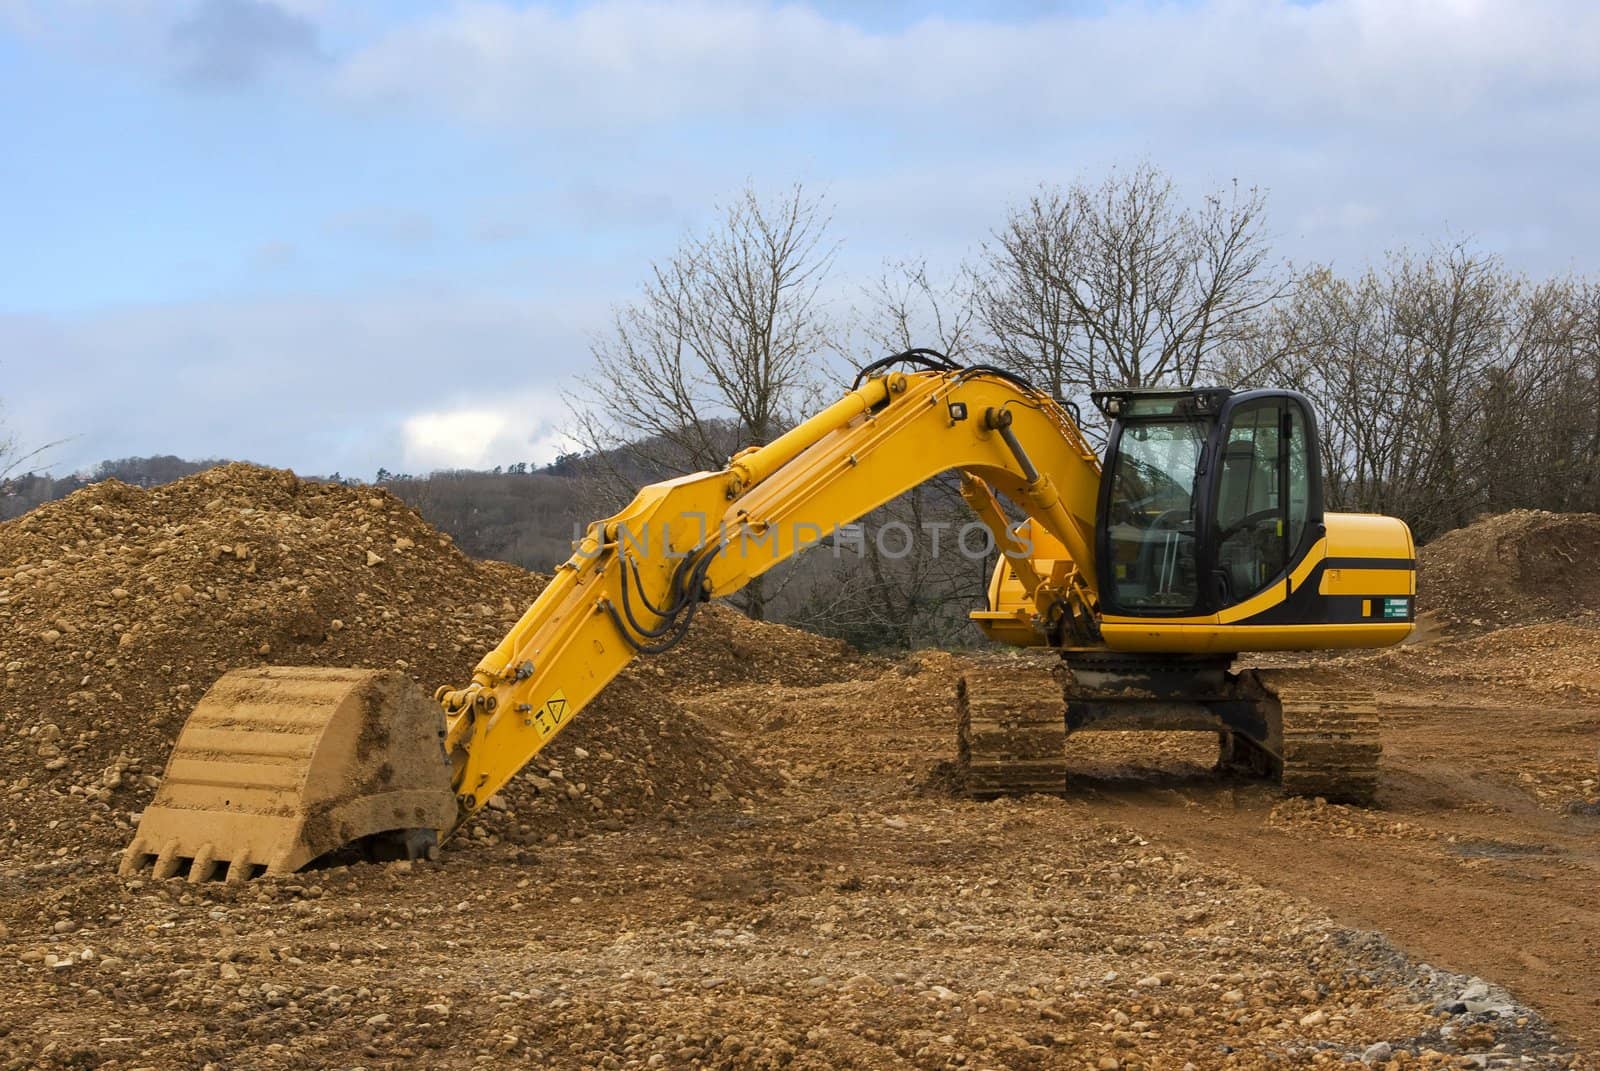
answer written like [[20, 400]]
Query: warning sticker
[[552, 714], [1397, 608]]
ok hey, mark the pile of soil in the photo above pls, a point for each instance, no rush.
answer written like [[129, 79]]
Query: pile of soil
[[119, 607], [1512, 569]]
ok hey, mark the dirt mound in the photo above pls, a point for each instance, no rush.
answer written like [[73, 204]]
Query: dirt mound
[[724, 647], [1511, 569], [120, 606]]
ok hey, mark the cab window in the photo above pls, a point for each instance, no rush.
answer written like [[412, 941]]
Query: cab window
[[1151, 519], [1262, 498]]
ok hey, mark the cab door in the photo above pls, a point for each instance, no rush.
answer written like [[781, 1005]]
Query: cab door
[[1265, 495]]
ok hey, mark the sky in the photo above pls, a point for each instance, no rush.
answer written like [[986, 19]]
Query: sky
[[338, 235]]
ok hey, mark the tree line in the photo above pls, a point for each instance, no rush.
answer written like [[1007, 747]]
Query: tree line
[[1447, 384]]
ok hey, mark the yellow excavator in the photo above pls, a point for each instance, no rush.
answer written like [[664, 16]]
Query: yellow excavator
[[1200, 536]]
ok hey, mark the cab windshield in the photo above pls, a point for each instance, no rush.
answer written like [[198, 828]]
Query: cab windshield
[[1151, 522]]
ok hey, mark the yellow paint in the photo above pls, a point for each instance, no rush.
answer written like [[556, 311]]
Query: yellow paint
[[1199, 639], [1367, 582]]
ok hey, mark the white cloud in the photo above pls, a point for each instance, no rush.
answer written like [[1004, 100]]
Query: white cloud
[[527, 428], [626, 63], [314, 384]]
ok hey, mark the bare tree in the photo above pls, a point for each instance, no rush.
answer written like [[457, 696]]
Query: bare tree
[[916, 591], [905, 307], [14, 455], [1446, 384], [719, 350], [1029, 319], [1121, 284]]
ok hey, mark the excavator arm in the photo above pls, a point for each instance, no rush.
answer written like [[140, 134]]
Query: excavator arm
[[634, 581], [279, 766]]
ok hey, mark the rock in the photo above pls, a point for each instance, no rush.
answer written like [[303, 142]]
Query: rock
[[1378, 1053], [1150, 982], [1316, 1018], [1477, 989], [50, 635], [373, 559], [1233, 996], [228, 972], [1490, 1007], [1108, 1063]]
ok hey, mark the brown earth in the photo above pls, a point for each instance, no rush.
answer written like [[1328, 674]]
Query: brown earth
[[742, 863], [1512, 568], [119, 607]]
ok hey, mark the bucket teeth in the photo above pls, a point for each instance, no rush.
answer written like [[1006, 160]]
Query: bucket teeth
[[200, 867], [277, 767], [167, 862]]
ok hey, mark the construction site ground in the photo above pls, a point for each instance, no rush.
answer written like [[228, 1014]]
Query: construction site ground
[[750, 857]]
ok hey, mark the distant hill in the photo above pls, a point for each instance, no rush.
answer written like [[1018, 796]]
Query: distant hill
[[19, 494], [530, 516]]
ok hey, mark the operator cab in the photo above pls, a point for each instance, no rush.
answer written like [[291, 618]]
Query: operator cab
[[1207, 496]]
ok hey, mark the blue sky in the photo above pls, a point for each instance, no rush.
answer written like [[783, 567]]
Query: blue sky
[[339, 234]]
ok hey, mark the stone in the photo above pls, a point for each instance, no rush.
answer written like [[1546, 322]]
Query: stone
[[373, 559], [1378, 1053], [1477, 989], [1497, 1008], [1316, 1018]]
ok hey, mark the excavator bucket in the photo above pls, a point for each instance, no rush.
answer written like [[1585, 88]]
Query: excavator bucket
[[279, 766]]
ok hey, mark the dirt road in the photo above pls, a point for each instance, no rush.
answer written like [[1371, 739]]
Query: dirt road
[[1462, 865]]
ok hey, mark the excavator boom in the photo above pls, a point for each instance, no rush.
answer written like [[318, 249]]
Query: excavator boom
[[636, 578]]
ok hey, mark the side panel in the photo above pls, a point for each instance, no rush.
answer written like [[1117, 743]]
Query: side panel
[[1355, 587]]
